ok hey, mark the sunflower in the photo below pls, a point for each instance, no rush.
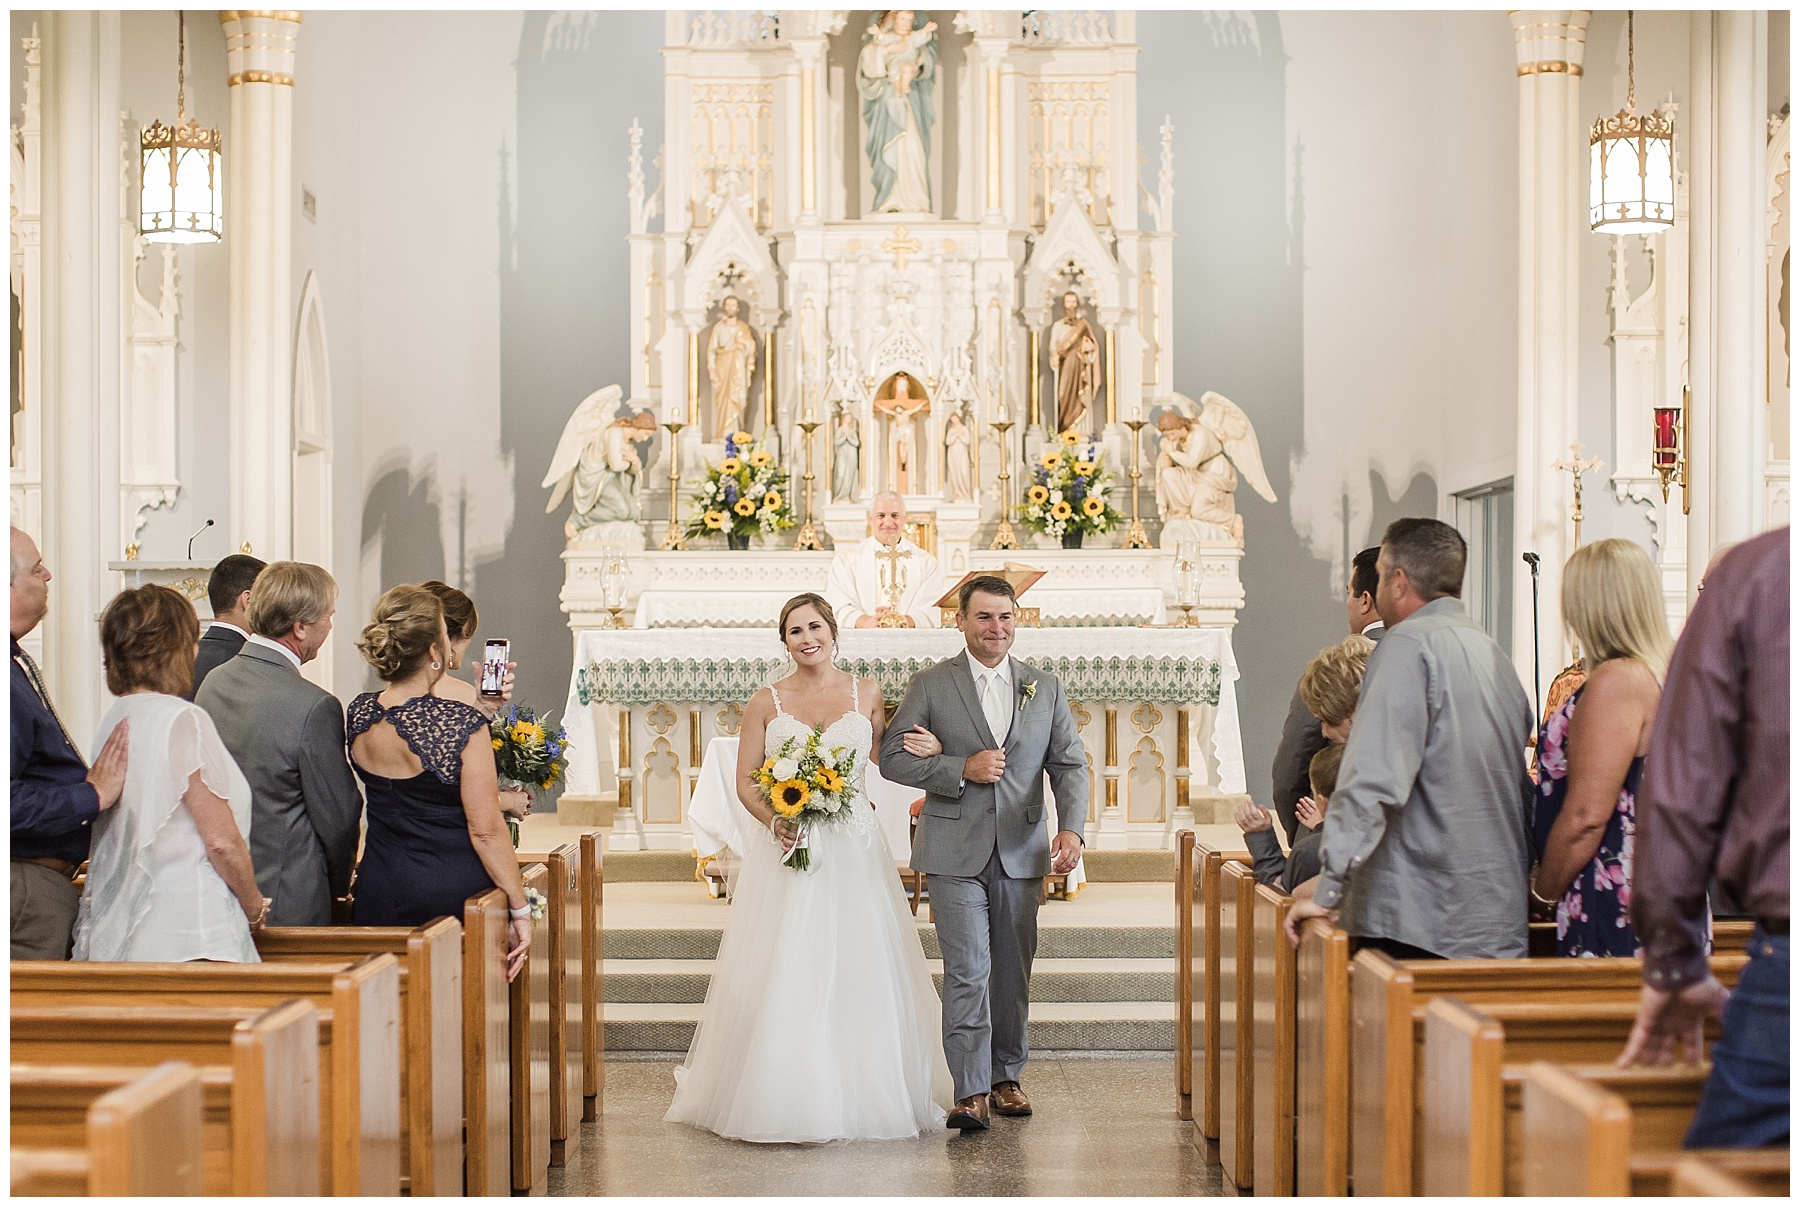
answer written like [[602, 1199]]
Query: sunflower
[[1038, 494], [498, 744], [829, 780], [1084, 469], [789, 797], [744, 507], [760, 458], [715, 520], [1071, 437], [1062, 510], [741, 438], [527, 732], [730, 465], [772, 499], [1093, 505], [1051, 459]]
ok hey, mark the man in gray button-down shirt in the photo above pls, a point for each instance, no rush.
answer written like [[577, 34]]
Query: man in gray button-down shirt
[[1426, 839]]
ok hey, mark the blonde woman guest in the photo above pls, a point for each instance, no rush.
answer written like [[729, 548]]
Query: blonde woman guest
[[1593, 749], [169, 877], [435, 834], [1332, 683]]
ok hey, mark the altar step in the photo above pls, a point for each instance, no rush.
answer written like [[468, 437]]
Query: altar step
[[676, 982], [1101, 867], [1054, 943]]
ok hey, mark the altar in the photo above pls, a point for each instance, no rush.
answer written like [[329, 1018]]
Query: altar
[[1156, 710]]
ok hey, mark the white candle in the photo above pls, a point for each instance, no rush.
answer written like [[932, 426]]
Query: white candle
[[1135, 412], [809, 415]]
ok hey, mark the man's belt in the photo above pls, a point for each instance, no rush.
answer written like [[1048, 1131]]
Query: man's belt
[[62, 867], [1773, 926]]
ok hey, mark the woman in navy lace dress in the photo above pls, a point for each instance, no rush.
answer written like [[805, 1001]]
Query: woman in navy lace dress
[[1593, 747], [436, 836]]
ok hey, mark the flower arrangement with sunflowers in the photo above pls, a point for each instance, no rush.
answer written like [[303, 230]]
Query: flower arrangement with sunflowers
[[1069, 490], [529, 754], [744, 494], [809, 783]]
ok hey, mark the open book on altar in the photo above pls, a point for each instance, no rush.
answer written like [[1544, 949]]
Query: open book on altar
[[1018, 574]]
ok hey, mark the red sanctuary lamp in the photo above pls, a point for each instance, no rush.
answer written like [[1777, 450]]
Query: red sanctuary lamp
[[1665, 450]]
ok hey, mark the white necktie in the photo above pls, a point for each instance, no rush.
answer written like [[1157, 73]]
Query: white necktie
[[993, 704]]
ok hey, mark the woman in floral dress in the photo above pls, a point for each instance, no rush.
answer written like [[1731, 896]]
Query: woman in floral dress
[[1593, 747]]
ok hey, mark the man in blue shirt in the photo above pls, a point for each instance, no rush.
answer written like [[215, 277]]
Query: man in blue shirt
[[55, 797]]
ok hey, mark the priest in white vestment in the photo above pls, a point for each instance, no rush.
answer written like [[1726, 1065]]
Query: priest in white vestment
[[858, 588]]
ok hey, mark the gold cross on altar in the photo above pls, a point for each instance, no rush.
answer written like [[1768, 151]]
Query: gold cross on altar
[[1577, 465], [902, 245], [893, 581]]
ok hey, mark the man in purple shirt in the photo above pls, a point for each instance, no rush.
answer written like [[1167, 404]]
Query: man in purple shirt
[[1714, 805], [55, 797]]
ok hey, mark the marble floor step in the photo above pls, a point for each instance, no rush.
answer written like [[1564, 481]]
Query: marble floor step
[[1052, 980], [1055, 1027], [1054, 942]]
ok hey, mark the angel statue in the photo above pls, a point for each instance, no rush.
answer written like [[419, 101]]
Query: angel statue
[[894, 74], [1202, 451], [597, 459]]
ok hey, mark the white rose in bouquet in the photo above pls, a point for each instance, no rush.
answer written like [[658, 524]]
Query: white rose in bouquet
[[786, 769]]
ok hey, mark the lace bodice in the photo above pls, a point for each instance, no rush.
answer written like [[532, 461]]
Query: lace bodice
[[434, 729], [851, 729]]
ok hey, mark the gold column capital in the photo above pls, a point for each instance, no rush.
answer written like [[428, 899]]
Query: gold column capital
[[227, 16], [1549, 41]]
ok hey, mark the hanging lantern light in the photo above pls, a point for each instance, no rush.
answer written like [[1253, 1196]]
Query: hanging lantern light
[[182, 197], [1631, 162]]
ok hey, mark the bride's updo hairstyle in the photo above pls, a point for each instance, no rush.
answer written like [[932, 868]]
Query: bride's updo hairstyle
[[404, 634], [811, 599]]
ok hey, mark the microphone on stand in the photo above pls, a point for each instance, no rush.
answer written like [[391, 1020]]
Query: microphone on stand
[[197, 533], [1537, 675]]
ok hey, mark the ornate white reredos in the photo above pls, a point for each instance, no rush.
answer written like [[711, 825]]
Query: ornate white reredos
[[1071, 253], [732, 257], [901, 349]]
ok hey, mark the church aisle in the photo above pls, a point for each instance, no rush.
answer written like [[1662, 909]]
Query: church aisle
[[1104, 1125]]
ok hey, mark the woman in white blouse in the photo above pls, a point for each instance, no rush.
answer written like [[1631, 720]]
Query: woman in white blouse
[[169, 875]]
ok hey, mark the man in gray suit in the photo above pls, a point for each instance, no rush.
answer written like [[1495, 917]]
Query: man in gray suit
[[287, 735], [981, 839]]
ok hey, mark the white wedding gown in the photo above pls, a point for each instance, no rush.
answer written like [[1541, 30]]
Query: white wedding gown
[[821, 1022]]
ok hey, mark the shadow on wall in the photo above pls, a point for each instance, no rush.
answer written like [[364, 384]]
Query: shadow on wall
[[1221, 76], [1419, 499], [400, 518], [564, 304]]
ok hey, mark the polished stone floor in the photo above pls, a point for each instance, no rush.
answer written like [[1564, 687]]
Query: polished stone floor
[[1104, 1125]]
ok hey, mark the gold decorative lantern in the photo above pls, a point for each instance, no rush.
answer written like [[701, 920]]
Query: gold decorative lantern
[[1631, 163], [182, 195]]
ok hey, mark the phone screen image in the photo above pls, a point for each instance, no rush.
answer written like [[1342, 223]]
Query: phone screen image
[[494, 658]]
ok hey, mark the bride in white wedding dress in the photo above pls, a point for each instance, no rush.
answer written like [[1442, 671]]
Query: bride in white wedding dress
[[821, 1022]]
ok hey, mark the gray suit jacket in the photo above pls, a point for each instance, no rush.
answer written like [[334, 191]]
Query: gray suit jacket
[[961, 823], [287, 736]]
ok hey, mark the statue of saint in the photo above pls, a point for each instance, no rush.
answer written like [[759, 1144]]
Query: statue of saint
[[730, 359], [596, 464], [901, 409], [894, 74], [1198, 462], [846, 456], [1075, 358], [959, 459]]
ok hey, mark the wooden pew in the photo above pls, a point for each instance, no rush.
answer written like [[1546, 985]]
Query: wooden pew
[[138, 1138], [1184, 975], [528, 1042], [1237, 895], [1322, 1061], [1581, 1136], [266, 1142], [1388, 1000], [1271, 1067], [359, 1038], [1755, 1172], [487, 1049], [431, 1082], [1729, 934], [1474, 1065], [593, 965], [1208, 1008], [563, 957]]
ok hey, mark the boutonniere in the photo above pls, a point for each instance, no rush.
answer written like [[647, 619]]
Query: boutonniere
[[1027, 692]]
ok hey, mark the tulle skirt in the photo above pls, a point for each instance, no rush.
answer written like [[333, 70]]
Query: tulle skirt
[[821, 1022]]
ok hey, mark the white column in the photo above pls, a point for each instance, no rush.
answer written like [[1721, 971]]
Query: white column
[[1552, 179], [81, 347], [259, 159]]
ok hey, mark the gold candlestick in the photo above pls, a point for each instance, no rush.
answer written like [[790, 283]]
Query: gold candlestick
[[809, 536], [1135, 536], [672, 539], [1003, 536]]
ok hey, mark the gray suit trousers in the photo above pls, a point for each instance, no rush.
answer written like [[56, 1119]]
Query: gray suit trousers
[[987, 932]]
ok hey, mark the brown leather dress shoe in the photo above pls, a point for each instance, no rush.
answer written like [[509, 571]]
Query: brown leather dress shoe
[[1009, 1099], [969, 1114]]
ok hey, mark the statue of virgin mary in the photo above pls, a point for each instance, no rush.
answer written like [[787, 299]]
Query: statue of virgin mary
[[895, 74]]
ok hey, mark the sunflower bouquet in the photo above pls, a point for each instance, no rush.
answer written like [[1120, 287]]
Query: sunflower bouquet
[[1069, 491], [810, 783], [529, 754], [742, 495]]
